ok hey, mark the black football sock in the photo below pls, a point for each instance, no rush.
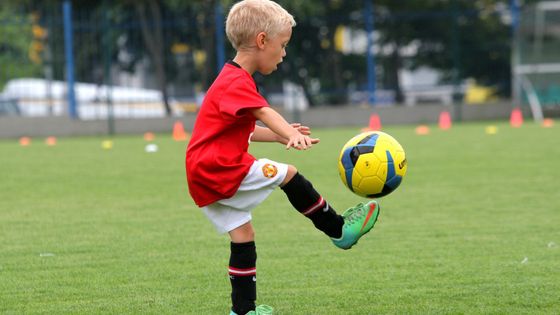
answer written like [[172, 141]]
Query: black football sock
[[307, 201], [243, 276]]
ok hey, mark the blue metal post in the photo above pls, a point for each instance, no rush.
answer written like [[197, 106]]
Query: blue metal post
[[69, 55], [515, 84], [107, 78], [368, 12], [514, 6], [456, 58], [220, 49]]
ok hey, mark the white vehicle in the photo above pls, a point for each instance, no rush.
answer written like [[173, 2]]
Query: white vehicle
[[39, 97]]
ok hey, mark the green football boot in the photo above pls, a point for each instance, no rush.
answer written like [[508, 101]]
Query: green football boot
[[357, 221], [260, 310]]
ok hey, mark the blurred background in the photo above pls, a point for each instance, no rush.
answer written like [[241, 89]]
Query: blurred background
[[128, 60]]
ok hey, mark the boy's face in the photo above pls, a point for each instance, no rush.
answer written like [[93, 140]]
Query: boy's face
[[273, 51]]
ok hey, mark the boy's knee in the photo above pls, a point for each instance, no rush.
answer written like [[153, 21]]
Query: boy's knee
[[292, 171], [243, 234]]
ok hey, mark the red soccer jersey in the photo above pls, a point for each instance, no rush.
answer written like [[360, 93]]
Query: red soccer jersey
[[217, 159]]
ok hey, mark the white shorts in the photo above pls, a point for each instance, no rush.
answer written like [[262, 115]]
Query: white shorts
[[263, 177]]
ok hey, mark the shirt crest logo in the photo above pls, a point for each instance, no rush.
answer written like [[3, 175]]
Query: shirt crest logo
[[269, 170]]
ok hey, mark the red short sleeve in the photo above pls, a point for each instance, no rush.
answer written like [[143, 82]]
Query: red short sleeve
[[241, 95]]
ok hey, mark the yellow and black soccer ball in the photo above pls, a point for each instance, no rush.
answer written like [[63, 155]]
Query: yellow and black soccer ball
[[372, 164]]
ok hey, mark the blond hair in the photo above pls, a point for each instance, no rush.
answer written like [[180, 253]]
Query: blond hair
[[247, 18]]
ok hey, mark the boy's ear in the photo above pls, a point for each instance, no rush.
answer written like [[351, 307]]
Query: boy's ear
[[261, 39]]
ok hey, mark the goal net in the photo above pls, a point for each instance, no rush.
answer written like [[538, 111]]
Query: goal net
[[536, 58]]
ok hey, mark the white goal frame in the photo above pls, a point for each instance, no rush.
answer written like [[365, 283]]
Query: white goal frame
[[521, 71]]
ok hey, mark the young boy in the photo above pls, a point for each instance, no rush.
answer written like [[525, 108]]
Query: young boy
[[226, 181]]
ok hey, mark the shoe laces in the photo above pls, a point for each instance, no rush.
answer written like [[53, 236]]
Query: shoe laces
[[355, 213]]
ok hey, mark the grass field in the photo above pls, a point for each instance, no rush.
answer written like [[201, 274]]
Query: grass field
[[473, 229]]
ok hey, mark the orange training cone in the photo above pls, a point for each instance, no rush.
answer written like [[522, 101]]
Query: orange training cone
[[50, 141], [422, 130], [444, 120], [548, 123], [179, 133], [149, 136], [516, 118], [24, 141]]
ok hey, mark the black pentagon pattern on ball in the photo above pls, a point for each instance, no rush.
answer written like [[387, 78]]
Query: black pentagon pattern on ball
[[386, 190], [359, 150], [366, 139]]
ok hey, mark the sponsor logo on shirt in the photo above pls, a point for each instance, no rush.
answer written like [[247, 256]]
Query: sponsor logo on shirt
[[269, 170]]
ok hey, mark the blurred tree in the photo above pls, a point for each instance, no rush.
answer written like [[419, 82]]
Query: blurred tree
[[312, 56], [473, 41], [150, 17], [206, 27], [21, 43], [166, 28], [470, 42]]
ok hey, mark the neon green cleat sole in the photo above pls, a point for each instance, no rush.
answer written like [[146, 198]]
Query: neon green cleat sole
[[260, 310], [358, 221]]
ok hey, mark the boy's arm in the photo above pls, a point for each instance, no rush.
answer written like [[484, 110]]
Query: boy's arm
[[263, 134], [285, 133]]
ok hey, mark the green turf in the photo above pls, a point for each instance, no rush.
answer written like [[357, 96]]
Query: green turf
[[473, 229]]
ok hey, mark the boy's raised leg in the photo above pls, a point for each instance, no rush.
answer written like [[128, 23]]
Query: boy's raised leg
[[345, 230], [311, 204]]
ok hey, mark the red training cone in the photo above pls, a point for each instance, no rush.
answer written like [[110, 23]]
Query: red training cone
[[516, 118], [374, 123], [444, 120]]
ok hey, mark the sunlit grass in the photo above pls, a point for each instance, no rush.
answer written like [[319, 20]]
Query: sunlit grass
[[473, 229]]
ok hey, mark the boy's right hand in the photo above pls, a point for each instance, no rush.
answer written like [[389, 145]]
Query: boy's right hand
[[301, 142]]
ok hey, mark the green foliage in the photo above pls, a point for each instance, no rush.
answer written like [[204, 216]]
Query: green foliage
[[461, 38], [466, 37], [15, 44], [471, 230]]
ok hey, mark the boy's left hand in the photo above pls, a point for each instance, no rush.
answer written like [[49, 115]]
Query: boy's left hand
[[304, 130]]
